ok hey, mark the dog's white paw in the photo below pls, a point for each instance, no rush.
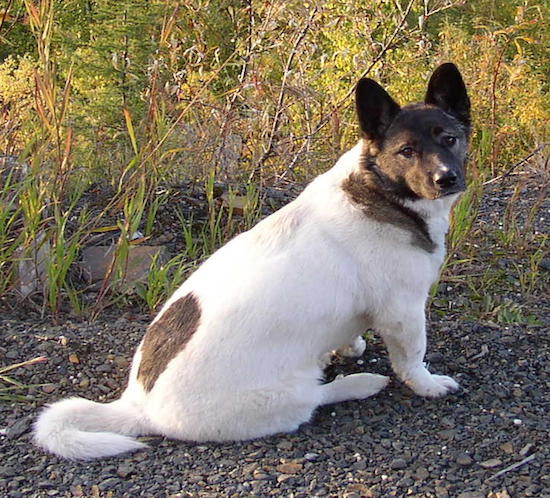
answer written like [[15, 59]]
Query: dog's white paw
[[362, 385], [433, 386], [354, 386], [354, 350]]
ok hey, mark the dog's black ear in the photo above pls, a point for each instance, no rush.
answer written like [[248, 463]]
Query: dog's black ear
[[447, 90], [375, 108]]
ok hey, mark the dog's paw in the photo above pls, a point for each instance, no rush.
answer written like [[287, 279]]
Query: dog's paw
[[363, 385], [353, 386], [354, 350], [434, 386]]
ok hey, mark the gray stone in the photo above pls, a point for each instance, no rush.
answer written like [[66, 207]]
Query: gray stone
[[19, 428], [96, 261], [464, 459], [398, 464]]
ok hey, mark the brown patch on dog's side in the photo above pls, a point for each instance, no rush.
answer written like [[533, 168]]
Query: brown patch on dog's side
[[382, 208], [166, 337]]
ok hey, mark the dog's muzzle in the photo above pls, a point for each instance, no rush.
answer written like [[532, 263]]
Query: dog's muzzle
[[448, 182]]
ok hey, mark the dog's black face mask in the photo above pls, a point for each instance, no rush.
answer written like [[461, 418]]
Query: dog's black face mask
[[418, 151]]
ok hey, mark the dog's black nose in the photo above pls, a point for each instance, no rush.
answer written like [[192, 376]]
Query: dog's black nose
[[445, 179]]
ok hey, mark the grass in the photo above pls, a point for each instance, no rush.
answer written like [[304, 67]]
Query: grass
[[248, 116], [10, 387]]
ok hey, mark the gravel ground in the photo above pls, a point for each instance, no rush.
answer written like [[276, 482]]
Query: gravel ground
[[489, 440]]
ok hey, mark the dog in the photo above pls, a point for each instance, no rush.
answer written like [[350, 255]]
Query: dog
[[238, 351]]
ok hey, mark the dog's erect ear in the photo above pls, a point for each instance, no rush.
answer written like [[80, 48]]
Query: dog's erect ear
[[447, 90], [375, 108]]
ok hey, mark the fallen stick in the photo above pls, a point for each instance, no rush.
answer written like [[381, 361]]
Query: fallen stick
[[513, 466]]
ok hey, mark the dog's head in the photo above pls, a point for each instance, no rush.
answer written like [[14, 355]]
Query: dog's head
[[418, 151]]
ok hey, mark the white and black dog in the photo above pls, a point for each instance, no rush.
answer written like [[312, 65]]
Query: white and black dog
[[238, 351]]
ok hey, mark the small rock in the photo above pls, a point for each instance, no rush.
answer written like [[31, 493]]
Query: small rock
[[284, 477], [109, 483], [464, 459], [398, 464], [261, 476], [76, 490], [448, 434], [73, 358], [289, 468], [507, 448], [125, 470], [421, 474], [491, 463], [406, 482], [7, 471], [19, 428], [285, 445], [359, 489], [49, 388], [45, 347], [84, 383], [441, 492], [311, 457], [121, 362], [12, 355]]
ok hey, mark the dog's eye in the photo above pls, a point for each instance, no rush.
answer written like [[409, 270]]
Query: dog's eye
[[449, 141], [407, 151]]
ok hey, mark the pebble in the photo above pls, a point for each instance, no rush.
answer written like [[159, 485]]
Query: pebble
[[464, 459], [285, 445], [507, 447], [289, 468], [19, 428], [421, 474], [398, 464], [125, 470], [7, 471], [109, 483], [311, 457], [84, 383], [491, 463]]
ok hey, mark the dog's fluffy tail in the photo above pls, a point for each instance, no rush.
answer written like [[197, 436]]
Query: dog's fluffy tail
[[80, 429]]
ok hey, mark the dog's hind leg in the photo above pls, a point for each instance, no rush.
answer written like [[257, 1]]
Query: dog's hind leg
[[354, 386]]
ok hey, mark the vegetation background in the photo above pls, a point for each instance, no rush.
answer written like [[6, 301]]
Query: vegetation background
[[123, 100]]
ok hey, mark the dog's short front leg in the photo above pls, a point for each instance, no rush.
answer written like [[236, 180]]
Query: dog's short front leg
[[406, 343]]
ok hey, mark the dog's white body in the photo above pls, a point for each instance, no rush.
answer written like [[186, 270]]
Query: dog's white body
[[238, 352], [308, 279]]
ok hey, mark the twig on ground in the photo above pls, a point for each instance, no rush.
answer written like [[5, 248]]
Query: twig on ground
[[513, 466]]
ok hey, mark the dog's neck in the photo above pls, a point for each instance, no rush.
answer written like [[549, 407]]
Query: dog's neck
[[384, 206]]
